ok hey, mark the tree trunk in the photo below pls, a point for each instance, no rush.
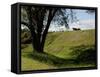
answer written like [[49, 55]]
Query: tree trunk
[[36, 43], [37, 47], [38, 39]]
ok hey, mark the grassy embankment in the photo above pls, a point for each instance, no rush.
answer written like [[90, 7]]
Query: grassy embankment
[[71, 49]]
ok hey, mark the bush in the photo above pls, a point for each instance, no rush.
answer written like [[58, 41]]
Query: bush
[[84, 54], [25, 37]]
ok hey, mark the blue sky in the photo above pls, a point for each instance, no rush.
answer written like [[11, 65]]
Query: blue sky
[[82, 15], [85, 20]]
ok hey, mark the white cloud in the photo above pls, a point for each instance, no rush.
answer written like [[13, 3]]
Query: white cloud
[[84, 24], [57, 28]]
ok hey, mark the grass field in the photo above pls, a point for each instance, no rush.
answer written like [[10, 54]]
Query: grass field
[[70, 49]]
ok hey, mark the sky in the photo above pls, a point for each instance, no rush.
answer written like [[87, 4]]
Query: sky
[[85, 21]]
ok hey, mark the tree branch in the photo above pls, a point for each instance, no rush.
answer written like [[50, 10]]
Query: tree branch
[[50, 17]]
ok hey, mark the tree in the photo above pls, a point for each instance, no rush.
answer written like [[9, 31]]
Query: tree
[[38, 20]]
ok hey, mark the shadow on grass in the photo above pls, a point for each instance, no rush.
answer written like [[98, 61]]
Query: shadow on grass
[[50, 59], [84, 54]]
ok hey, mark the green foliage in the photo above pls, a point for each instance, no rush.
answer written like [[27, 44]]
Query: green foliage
[[25, 38], [86, 54]]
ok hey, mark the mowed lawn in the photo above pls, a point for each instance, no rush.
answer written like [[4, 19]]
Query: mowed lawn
[[65, 45]]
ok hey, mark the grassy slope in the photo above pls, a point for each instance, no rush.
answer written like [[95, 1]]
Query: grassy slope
[[59, 44], [63, 42]]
